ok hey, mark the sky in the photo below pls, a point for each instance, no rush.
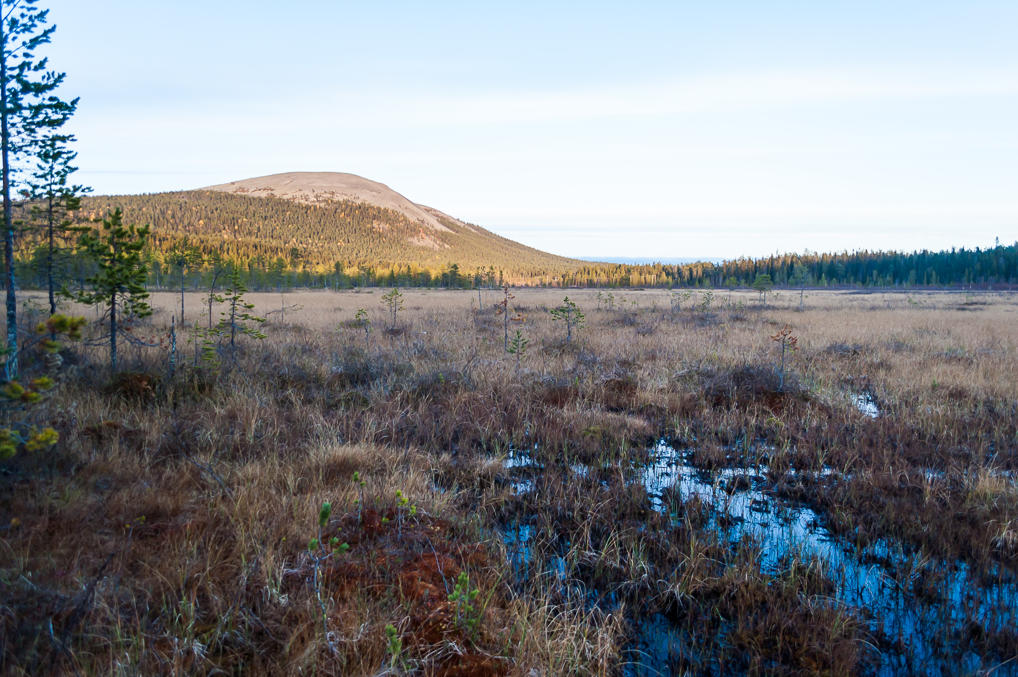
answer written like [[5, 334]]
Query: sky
[[643, 129]]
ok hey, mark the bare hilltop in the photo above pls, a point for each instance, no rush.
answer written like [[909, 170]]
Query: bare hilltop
[[318, 187]]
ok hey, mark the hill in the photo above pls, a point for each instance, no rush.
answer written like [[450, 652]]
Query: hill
[[322, 222]]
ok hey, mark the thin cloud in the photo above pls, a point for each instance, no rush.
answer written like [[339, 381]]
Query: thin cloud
[[715, 94], [374, 109]]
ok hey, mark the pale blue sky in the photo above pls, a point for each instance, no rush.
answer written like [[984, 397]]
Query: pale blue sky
[[672, 129]]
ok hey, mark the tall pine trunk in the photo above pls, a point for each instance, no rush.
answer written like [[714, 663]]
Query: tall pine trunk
[[113, 321], [113, 335], [181, 296], [11, 365], [233, 324], [50, 255]]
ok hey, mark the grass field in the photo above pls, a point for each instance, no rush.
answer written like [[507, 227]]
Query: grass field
[[651, 497]]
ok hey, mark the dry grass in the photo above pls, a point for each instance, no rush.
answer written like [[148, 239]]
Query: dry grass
[[167, 533]]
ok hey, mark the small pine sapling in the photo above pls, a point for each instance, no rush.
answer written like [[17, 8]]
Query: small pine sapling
[[204, 347], [360, 495], [394, 647], [404, 510], [217, 269], [518, 346], [788, 342], [237, 318], [678, 298], [570, 314], [394, 301], [468, 616], [502, 308], [171, 366], [321, 553], [706, 300], [362, 321]]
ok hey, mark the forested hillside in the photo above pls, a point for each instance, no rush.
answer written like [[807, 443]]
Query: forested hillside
[[272, 233]]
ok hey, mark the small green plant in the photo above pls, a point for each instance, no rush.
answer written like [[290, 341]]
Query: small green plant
[[570, 314], [607, 298], [394, 301], [394, 647], [468, 616], [518, 346], [359, 483], [320, 553], [16, 398], [56, 326], [706, 299], [31, 440], [404, 510], [205, 352], [678, 298]]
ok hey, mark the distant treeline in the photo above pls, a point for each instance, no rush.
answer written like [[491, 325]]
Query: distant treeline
[[996, 267]]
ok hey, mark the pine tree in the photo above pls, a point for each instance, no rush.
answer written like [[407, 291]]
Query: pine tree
[[800, 274], [763, 284], [184, 255], [53, 197], [26, 107], [236, 318], [570, 314], [394, 301], [218, 268], [119, 284]]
